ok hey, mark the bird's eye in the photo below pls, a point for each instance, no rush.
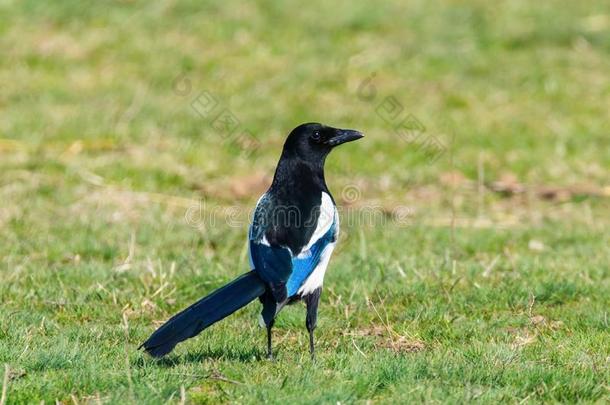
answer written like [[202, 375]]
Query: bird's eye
[[315, 136]]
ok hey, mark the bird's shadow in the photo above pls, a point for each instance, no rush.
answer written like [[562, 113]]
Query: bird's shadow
[[242, 355]]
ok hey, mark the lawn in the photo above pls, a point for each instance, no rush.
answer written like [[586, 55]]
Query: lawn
[[474, 260]]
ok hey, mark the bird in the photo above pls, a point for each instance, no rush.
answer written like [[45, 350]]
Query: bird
[[293, 232]]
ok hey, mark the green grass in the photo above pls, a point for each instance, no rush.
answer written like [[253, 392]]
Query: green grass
[[479, 296]]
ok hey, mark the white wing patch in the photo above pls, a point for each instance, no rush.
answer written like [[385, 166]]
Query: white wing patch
[[325, 220], [328, 215]]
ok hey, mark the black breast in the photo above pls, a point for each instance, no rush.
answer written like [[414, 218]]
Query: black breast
[[294, 209]]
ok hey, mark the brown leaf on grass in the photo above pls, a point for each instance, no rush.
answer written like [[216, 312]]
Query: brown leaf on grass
[[404, 345], [508, 185], [538, 320], [148, 305], [389, 339], [524, 338], [541, 321], [555, 325], [453, 178], [569, 192], [376, 331], [16, 374], [158, 322], [554, 193], [238, 187], [252, 185]]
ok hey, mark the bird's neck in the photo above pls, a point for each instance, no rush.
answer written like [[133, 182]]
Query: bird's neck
[[299, 174]]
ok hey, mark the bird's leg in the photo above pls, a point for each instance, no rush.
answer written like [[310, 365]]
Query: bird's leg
[[268, 316], [311, 345], [311, 301], [269, 351]]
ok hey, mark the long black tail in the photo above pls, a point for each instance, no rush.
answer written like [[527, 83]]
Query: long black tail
[[205, 312]]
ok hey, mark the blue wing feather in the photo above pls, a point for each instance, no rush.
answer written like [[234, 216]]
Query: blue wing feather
[[304, 264], [273, 264]]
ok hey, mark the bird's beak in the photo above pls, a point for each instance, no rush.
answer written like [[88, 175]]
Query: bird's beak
[[343, 136]]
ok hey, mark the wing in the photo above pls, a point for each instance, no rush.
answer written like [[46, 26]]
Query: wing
[[273, 263], [313, 259], [283, 270]]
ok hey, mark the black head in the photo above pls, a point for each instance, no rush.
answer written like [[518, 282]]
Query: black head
[[313, 141]]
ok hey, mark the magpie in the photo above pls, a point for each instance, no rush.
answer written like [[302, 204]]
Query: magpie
[[294, 230]]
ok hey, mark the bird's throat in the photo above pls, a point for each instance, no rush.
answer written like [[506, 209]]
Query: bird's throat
[[299, 173]]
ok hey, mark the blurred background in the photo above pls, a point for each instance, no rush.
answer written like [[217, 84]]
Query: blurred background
[[126, 125]]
